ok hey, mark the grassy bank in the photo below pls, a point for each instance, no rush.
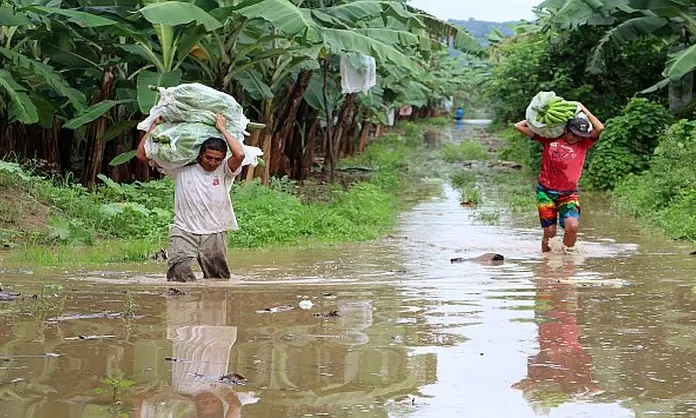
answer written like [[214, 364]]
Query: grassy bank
[[58, 222]]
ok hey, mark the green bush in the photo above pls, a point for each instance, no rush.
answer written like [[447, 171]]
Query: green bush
[[627, 143], [557, 61], [665, 194]]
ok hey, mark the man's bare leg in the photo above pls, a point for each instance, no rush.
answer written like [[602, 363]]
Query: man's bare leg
[[549, 232], [571, 232]]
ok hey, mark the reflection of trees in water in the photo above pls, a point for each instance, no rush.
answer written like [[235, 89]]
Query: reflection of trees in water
[[297, 363], [342, 365], [642, 341]]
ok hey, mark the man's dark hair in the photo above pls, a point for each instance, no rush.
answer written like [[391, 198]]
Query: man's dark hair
[[213, 144]]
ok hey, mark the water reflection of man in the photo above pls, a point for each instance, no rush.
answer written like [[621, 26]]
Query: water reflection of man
[[202, 342], [562, 369]]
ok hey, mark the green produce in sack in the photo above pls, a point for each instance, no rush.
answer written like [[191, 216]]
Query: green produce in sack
[[174, 145], [189, 112], [547, 114]]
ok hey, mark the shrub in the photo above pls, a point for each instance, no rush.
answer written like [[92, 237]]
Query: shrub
[[627, 143], [665, 194]]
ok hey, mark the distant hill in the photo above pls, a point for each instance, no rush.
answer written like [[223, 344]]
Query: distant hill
[[480, 29]]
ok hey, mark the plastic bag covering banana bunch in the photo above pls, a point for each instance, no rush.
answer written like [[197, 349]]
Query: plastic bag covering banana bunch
[[548, 113], [189, 112]]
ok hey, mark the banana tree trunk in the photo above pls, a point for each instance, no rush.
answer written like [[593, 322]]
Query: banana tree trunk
[[343, 122], [285, 122], [267, 137], [364, 135], [94, 151], [310, 143], [19, 141], [298, 145], [349, 134]]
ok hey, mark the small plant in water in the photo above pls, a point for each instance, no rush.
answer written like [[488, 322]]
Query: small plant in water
[[128, 305], [115, 385], [489, 217], [470, 196]]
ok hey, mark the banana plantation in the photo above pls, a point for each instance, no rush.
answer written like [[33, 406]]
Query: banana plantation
[[76, 76]]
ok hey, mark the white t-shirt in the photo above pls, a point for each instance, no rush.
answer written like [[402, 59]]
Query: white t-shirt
[[202, 203]]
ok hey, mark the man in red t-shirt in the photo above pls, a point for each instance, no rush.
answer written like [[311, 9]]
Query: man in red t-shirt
[[562, 162]]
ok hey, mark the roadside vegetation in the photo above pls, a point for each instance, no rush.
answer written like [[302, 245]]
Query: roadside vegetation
[[52, 221]]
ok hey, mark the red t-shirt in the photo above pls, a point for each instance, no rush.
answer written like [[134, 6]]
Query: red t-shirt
[[562, 163]]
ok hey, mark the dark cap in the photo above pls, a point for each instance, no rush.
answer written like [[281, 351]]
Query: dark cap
[[580, 127]]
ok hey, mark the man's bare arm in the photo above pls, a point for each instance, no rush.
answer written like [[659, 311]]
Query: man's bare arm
[[140, 153], [597, 126], [235, 161], [524, 129]]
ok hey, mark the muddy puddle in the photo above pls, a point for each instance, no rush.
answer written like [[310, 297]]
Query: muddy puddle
[[383, 329]]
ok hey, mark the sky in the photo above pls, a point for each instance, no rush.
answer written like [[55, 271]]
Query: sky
[[491, 10]]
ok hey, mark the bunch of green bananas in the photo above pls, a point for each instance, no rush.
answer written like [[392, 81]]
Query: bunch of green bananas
[[557, 111]]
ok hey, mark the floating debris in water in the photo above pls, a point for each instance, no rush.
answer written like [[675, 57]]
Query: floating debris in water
[[44, 355], [277, 309], [90, 337], [488, 258], [306, 304], [332, 314], [173, 291], [8, 296], [235, 379], [96, 315]]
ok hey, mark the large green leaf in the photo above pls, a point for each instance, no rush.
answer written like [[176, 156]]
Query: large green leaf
[[117, 129], [253, 83], [283, 15], [83, 19], [573, 13], [354, 11], [657, 86], [341, 40], [314, 94], [44, 109], [398, 38], [48, 75], [622, 34], [681, 63], [8, 17], [123, 158], [21, 107], [173, 13], [93, 113], [146, 96]]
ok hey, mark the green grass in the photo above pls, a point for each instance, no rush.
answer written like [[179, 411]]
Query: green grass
[[464, 151]]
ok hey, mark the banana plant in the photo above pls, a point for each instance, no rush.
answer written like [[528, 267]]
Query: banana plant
[[626, 21], [33, 89]]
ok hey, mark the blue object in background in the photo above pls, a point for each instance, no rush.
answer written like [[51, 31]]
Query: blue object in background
[[459, 113]]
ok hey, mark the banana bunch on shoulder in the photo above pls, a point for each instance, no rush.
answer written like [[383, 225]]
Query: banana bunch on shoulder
[[556, 111]]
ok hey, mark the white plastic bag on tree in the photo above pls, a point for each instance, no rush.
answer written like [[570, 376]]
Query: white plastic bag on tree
[[189, 113], [538, 127], [358, 72]]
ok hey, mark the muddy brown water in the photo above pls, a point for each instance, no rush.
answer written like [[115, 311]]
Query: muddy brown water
[[394, 330]]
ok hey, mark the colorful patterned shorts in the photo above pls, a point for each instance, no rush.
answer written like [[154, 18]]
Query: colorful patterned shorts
[[553, 205]]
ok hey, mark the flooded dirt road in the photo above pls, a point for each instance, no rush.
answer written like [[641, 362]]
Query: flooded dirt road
[[388, 329]]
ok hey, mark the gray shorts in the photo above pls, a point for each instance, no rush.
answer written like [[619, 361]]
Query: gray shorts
[[210, 251]]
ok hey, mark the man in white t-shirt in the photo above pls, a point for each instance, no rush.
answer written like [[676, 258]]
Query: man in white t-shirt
[[202, 207]]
